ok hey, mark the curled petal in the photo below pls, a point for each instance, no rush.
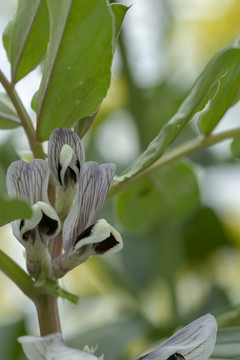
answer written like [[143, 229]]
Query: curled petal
[[28, 180], [51, 347], [65, 156], [94, 183], [105, 240], [44, 219], [195, 341]]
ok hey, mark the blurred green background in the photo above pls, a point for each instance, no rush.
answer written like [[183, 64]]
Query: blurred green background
[[180, 227]]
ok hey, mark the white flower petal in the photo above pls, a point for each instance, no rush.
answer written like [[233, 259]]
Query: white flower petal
[[51, 347], [28, 180], [195, 341], [59, 161], [94, 183]]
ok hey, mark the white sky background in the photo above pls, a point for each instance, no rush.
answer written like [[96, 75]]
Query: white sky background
[[144, 25]]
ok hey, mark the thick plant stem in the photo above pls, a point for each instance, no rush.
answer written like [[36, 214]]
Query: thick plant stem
[[170, 156], [26, 122], [17, 275], [48, 314]]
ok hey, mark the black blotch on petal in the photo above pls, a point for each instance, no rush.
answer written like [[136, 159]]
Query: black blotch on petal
[[85, 233], [105, 245], [47, 226], [59, 173], [176, 356], [21, 224], [78, 165]]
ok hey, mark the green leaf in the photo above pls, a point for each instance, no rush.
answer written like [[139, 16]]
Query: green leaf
[[203, 234], [216, 79], [10, 348], [119, 12], [225, 95], [8, 116], [12, 209], [77, 69], [171, 193], [26, 37], [227, 345]]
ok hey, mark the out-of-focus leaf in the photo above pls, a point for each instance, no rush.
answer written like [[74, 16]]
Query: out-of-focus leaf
[[77, 70], [203, 233], [11, 209], [171, 193], [26, 37], [119, 334], [10, 348], [235, 146], [227, 345], [203, 89], [8, 116]]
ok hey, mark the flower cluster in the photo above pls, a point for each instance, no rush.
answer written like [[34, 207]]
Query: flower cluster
[[195, 341], [70, 221]]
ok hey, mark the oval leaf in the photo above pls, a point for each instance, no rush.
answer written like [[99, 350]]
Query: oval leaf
[[76, 72], [26, 37]]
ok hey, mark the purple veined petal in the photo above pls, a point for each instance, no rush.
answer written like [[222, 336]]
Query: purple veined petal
[[94, 183], [196, 341], [65, 155], [51, 347], [28, 180]]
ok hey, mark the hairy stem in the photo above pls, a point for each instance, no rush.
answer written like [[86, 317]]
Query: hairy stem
[[172, 155], [26, 121]]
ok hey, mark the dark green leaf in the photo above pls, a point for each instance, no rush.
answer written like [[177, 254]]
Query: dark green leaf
[[228, 344], [26, 37], [212, 81], [77, 69], [10, 348], [203, 233], [171, 193], [8, 116]]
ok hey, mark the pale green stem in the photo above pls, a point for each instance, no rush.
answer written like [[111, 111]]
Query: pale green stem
[[172, 155], [26, 121]]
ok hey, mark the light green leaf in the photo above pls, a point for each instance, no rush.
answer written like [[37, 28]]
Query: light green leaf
[[12, 209], [8, 116], [214, 81], [227, 345], [171, 193], [77, 69], [26, 37]]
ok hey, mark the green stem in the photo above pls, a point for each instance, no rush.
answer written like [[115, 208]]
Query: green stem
[[26, 121], [172, 155], [17, 275], [48, 314]]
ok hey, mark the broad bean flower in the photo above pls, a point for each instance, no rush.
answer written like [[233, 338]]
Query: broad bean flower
[[195, 341], [71, 220]]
